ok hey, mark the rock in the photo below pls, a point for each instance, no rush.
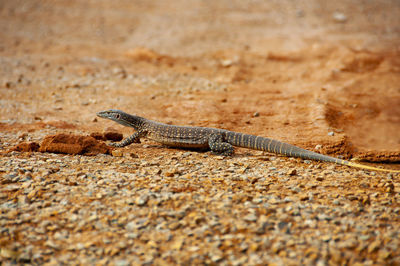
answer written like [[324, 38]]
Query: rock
[[374, 246], [339, 17], [117, 153], [169, 173], [73, 144], [133, 155], [292, 172], [8, 253], [97, 135], [384, 254], [112, 135], [250, 217], [216, 258], [142, 200], [121, 263], [51, 244]]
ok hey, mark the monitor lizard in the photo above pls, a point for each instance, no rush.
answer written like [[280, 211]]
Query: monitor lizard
[[217, 140]]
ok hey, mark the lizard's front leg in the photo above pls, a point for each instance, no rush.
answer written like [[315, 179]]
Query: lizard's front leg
[[217, 145], [134, 138]]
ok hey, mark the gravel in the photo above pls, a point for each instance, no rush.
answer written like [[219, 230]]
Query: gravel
[[188, 208]]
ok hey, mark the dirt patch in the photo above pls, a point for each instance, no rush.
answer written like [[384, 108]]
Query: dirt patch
[[31, 127], [362, 62], [373, 156], [73, 144], [342, 148]]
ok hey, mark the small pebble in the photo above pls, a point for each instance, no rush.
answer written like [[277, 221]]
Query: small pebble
[[318, 146], [339, 17], [142, 200], [292, 172], [117, 153], [250, 217]]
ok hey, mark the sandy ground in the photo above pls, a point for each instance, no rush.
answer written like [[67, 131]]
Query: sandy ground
[[320, 75]]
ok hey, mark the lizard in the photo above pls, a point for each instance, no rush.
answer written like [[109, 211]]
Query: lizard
[[217, 140]]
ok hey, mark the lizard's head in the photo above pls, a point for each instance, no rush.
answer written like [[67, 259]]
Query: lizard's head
[[122, 118]]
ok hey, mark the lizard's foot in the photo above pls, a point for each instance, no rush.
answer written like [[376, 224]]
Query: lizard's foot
[[125, 142], [225, 153]]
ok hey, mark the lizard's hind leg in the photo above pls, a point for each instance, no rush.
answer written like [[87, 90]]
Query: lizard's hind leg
[[217, 145]]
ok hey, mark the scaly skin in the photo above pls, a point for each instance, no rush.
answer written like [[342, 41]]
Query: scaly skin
[[217, 140]]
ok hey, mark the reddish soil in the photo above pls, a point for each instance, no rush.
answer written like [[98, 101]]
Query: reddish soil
[[307, 69]]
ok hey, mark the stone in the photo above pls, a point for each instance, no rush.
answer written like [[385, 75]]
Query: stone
[[117, 153]]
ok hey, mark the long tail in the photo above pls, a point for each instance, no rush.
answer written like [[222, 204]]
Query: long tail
[[270, 145]]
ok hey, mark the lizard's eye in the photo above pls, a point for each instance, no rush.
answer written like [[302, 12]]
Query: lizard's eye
[[118, 116]]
